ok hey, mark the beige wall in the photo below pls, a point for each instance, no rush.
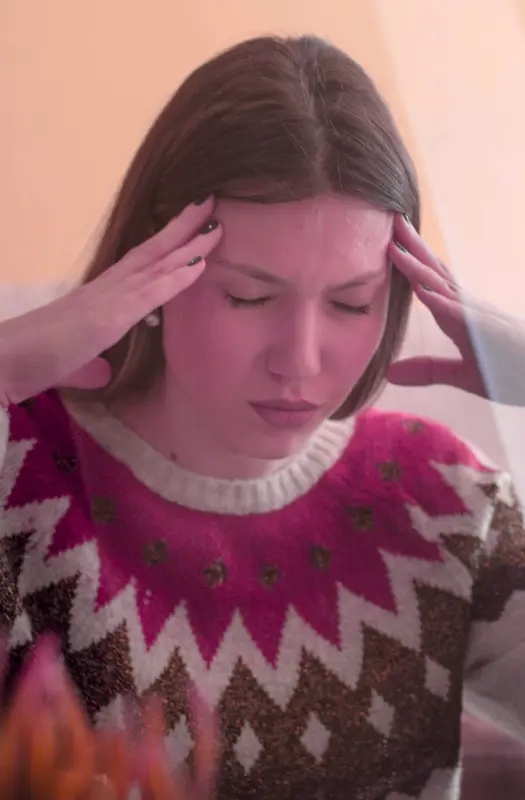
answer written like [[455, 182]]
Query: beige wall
[[466, 106], [521, 10], [81, 81]]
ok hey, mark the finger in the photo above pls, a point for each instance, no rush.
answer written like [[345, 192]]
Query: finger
[[3, 664], [153, 719], [42, 754], [134, 304], [142, 291], [32, 689], [28, 707], [427, 371], [102, 789], [114, 761], [77, 728], [457, 308], [439, 305], [418, 273], [72, 785], [199, 247], [160, 291], [174, 235], [407, 235], [206, 747], [169, 276], [155, 777], [62, 703]]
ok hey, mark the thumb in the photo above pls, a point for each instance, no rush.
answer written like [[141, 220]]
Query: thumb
[[93, 375], [426, 371]]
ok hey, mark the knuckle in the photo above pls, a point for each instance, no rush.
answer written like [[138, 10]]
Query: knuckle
[[145, 300]]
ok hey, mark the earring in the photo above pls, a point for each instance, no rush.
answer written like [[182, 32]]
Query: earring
[[152, 320]]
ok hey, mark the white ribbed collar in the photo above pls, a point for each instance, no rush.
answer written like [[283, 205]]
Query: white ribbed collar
[[202, 493]]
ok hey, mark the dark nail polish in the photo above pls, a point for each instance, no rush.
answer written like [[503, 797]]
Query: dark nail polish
[[200, 200], [400, 247], [426, 288], [209, 227], [194, 261]]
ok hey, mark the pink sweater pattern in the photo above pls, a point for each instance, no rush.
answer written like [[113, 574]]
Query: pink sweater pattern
[[334, 628]]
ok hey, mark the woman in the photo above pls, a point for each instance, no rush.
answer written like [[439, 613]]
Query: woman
[[214, 508]]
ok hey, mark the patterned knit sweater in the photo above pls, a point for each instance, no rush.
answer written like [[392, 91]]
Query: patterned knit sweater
[[335, 614]]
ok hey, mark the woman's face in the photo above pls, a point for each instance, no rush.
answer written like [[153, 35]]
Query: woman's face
[[283, 322]]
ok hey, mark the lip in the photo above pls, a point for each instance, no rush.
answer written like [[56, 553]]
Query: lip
[[285, 414], [280, 404]]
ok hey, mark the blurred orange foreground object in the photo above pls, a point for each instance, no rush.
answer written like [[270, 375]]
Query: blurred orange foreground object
[[50, 751]]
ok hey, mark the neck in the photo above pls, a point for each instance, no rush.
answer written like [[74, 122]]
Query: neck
[[167, 423], [202, 492]]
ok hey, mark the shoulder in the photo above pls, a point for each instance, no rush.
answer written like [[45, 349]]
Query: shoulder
[[445, 482], [38, 436], [42, 418], [418, 475], [418, 440]]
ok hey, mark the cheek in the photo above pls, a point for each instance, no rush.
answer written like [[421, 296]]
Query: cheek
[[355, 349], [374, 325], [202, 343], [361, 342]]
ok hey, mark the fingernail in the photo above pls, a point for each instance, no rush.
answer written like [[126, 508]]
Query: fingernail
[[426, 288], [200, 200], [209, 227], [400, 247], [407, 218], [194, 261]]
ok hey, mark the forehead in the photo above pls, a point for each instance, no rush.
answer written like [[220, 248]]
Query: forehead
[[344, 235]]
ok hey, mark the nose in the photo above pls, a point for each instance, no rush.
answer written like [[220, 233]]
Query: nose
[[295, 353]]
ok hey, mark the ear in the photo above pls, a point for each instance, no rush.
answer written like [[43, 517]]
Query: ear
[[94, 375]]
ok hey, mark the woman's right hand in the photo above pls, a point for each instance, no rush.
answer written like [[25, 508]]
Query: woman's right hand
[[60, 343]]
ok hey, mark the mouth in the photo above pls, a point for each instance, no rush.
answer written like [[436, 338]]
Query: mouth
[[284, 414], [286, 405]]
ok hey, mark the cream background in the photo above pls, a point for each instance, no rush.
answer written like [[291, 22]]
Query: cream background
[[80, 83]]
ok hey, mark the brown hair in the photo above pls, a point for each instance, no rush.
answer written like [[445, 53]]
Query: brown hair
[[269, 120]]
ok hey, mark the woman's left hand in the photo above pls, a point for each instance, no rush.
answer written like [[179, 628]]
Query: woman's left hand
[[495, 369]]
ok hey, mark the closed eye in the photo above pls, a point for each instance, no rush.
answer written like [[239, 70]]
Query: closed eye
[[243, 302], [355, 310], [255, 302]]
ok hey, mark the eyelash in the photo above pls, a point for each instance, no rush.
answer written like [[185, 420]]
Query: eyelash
[[241, 302], [357, 311]]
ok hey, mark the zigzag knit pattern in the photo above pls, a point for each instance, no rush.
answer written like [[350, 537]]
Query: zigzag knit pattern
[[335, 627]]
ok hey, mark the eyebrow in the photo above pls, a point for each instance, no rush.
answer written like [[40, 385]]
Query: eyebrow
[[267, 277]]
